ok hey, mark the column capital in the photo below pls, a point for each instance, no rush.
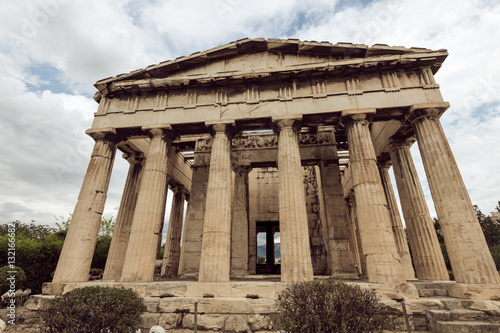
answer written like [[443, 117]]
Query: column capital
[[384, 161], [356, 115], [227, 126], [176, 187], [133, 158], [242, 167], [105, 133], [293, 121], [426, 110], [160, 130], [400, 143]]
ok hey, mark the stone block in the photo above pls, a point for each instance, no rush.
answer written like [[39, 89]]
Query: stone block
[[466, 327], [166, 290], [262, 289], [51, 288], [259, 322], [170, 320], [149, 319], [38, 302], [491, 308], [200, 289], [177, 304], [151, 304], [205, 321], [237, 324], [473, 291]]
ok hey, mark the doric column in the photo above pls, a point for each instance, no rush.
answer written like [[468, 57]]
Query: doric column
[[397, 224], [470, 258], [356, 236], [427, 255], [171, 255], [382, 259], [239, 229], [78, 249], [121, 233], [216, 245], [193, 225], [150, 208], [340, 258], [296, 265]]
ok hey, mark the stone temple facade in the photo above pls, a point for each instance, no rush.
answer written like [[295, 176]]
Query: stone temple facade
[[266, 136]]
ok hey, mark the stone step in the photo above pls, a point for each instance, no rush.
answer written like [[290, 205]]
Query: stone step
[[454, 315], [466, 327], [432, 292], [429, 285]]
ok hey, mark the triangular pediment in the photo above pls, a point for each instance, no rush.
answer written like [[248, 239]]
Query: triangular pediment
[[256, 58]]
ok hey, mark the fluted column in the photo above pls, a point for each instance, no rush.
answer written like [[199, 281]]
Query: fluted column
[[296, 265], [427, 255], [216, 245], [78, 249], [239, 229], [121, 233], [397, 224], [470, 258], [193, 225], [356, 236], [171, 255], [150, 208], [382, 259], [340, 258]]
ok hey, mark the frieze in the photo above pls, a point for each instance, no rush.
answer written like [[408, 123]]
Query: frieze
[[255, 141], [203, 145], [314, 139]]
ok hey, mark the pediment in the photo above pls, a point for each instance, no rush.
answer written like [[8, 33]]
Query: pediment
[[257, 58]]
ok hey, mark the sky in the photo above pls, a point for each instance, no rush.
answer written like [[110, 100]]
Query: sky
[[53, 51]]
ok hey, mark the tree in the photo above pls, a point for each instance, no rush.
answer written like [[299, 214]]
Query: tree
[[37, 251], [38, 248], [490, 227]]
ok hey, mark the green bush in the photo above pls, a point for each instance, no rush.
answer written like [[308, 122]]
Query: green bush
[[20, 278], [95, 309], [329, 306]]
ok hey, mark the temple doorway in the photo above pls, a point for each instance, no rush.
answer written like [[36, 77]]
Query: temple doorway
[[268, 248]]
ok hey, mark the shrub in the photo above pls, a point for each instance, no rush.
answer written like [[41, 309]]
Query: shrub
[[20, 278], [329, 306], [95, 309]]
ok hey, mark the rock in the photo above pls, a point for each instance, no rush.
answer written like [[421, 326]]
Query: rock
[[149, 319], [205, 322], [236, 324], [259, 322], [170, 320]]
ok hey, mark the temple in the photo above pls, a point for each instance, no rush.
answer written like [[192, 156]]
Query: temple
[[262, 137]]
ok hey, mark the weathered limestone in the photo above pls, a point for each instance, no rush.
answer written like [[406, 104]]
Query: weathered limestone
[[427, 255], [78, 249], [470, 258], [216, 245], [355, 238], [240, 223], [382, 259], [397, 224], [150, 211], [296, 263], [193, 225], [123, 224], [172, 252], [340, 258]]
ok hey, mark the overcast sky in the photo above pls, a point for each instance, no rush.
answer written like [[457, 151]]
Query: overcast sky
[[53, 51]]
